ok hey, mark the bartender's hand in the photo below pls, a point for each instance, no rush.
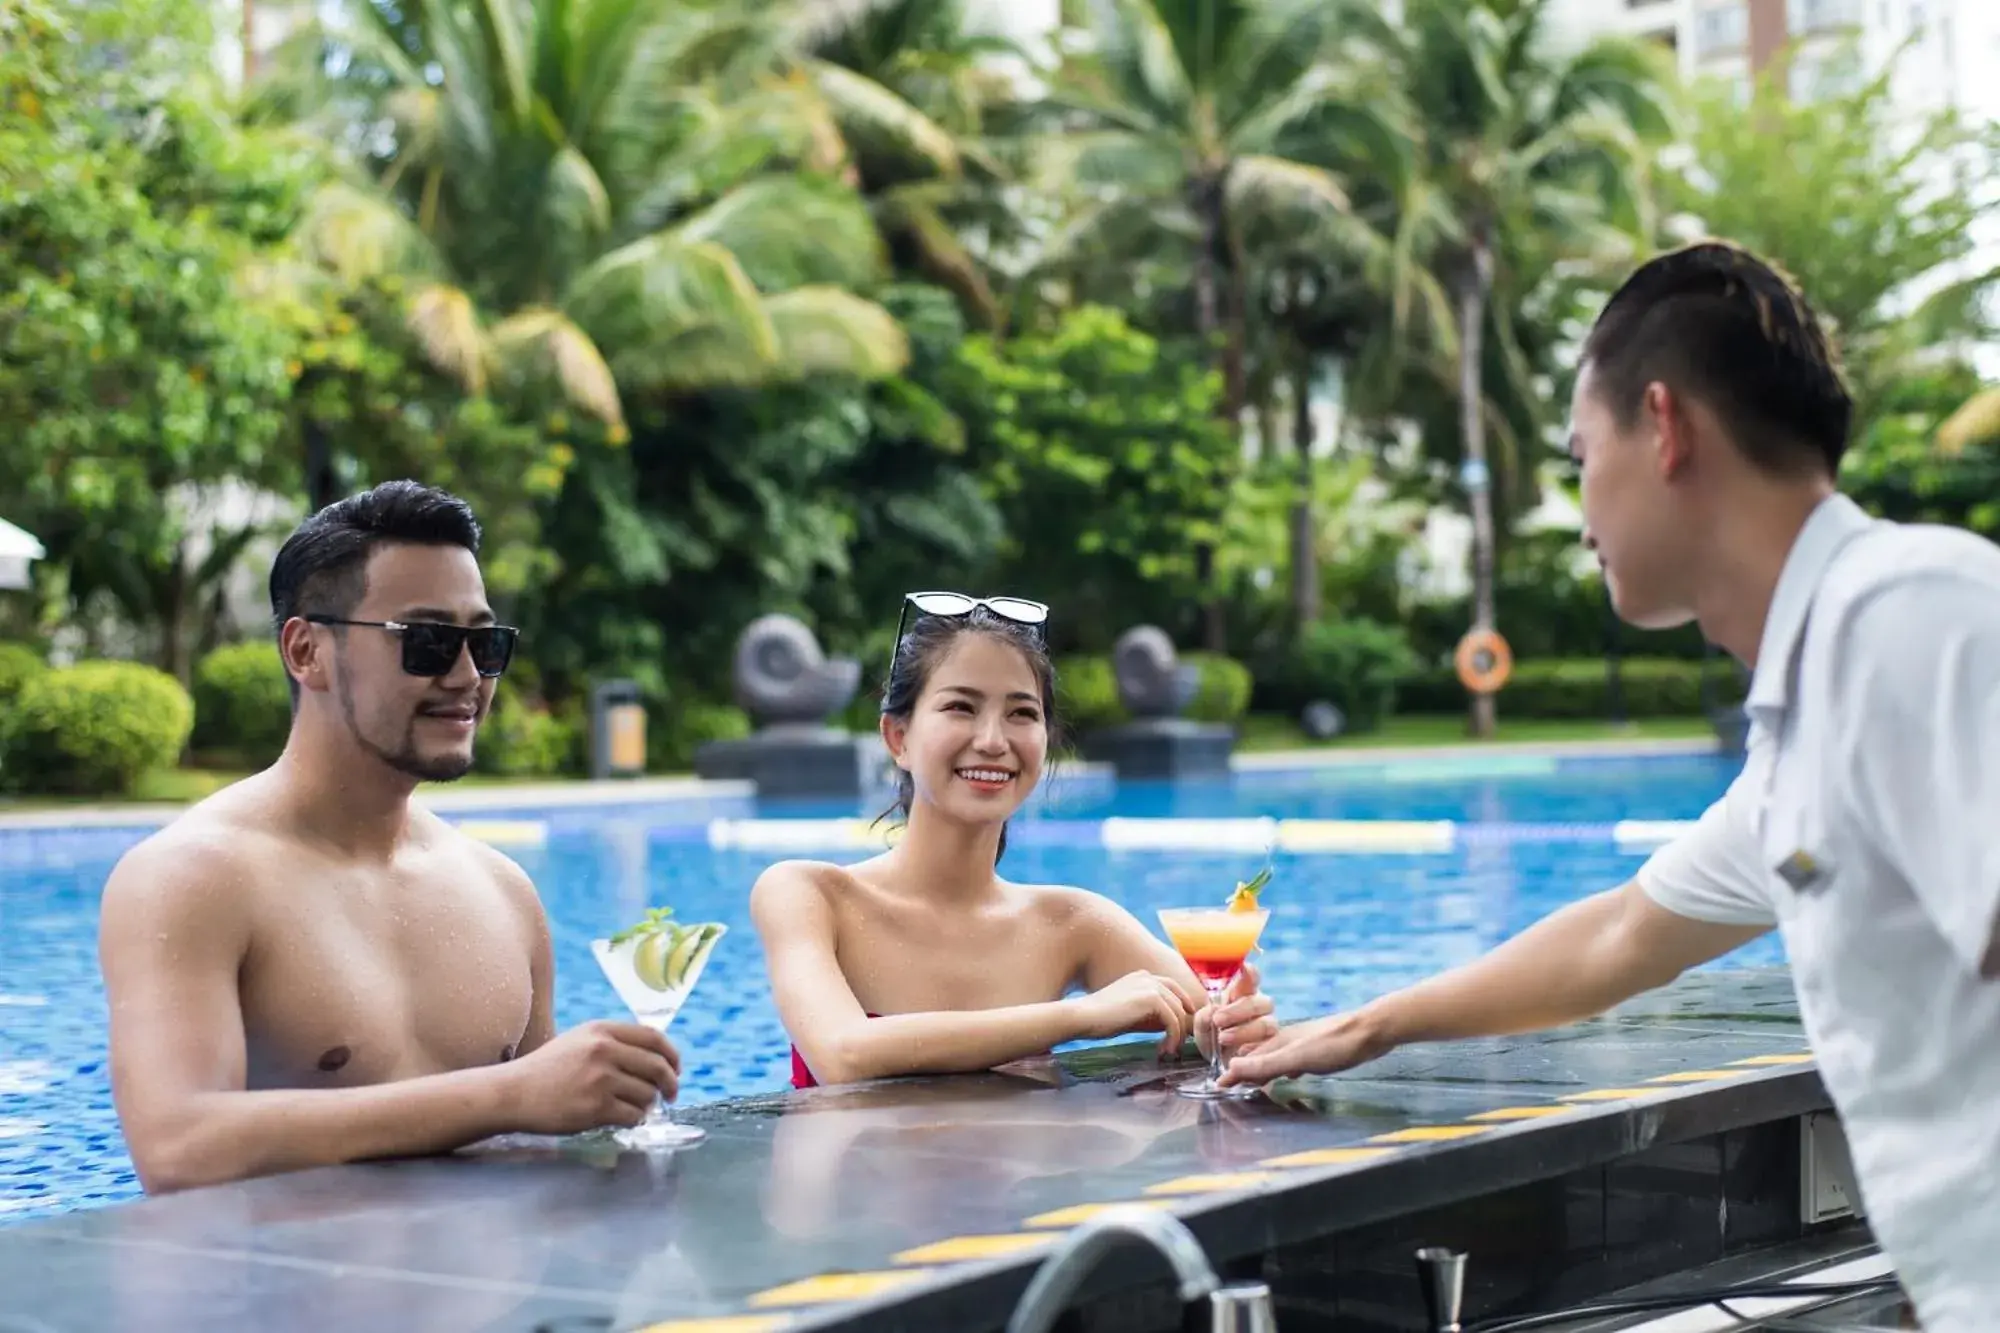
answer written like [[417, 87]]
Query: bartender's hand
[[1244, 1018], [1317, 1046]]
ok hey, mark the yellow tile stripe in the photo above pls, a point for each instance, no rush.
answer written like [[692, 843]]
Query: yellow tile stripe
[[1077, 1214], [972, 1247], [830, 1287], [1240, 1180], [1326, 1157], [1611, 1094], [1430, 1134]]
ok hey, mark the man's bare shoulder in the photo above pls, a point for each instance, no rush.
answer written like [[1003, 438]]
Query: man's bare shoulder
[[495, 867], [199, 865]]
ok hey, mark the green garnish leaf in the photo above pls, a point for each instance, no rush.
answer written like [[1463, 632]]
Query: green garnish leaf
[[655, 921]]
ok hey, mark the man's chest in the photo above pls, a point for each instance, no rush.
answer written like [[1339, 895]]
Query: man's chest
[[372, 981]]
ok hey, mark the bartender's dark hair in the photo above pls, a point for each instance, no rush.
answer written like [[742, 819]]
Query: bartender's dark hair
[[1715, 322], [917, 654]]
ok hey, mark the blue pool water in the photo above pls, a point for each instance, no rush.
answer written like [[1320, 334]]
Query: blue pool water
[[1344, 927]]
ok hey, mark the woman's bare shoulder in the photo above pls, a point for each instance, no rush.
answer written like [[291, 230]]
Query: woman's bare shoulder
[[794, 885], [1067, 904]]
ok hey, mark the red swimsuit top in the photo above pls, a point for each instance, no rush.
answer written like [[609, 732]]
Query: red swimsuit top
[[802, 1077]]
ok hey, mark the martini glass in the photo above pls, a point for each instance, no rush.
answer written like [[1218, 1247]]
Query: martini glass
[[653, 967], [1213, 941]]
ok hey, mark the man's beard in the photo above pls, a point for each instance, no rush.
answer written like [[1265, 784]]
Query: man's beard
[[405, 759]]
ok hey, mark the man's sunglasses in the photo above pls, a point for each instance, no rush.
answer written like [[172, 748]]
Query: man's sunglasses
[[952, 605], [431, 649]]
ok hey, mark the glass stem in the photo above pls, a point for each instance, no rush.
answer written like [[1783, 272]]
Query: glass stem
[[1216, 1062]]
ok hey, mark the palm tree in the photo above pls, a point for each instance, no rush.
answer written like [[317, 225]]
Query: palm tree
[[570, 169], [931, 111], [1523, 148], [1188, 127]]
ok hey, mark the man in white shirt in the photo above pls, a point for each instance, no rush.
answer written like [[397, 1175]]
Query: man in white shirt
[[1709, 419]]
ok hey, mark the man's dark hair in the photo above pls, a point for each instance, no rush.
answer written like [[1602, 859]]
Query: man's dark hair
[[322, 569], [1714, 322]]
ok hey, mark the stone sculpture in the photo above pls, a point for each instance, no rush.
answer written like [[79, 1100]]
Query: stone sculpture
[[791, 689], [1158, 743], [783, 678], [1151, 680]]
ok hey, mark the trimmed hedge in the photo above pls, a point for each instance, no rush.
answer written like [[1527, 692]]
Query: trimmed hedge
[[18, 665], [243, 702], [1358, 665], [1578, 688], [521, 738], [93, 729]]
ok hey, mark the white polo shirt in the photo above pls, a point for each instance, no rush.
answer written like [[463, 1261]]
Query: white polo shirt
[[1865, 826]]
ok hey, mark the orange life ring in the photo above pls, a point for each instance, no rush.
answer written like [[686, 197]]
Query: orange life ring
[[1484, 661]]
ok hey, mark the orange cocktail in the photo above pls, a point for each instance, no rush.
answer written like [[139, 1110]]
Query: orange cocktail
[[1214, 941]]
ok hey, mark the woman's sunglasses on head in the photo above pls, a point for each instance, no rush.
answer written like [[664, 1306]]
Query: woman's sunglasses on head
[[431, 648], [952, 605]]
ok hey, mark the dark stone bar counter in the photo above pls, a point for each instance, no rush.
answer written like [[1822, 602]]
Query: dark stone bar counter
[[1662, 1137]]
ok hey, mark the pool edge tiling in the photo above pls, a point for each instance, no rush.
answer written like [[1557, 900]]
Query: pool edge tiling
[[926, 1203]]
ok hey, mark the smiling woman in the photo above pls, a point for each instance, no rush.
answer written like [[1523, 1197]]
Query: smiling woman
[[887, 967]]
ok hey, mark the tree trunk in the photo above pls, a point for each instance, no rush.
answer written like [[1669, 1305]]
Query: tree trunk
[[1474, 289], [1207, 199], [173, 616], [1305, 555], [320, 480]]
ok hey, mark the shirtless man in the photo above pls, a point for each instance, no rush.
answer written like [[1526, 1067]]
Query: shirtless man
[[307, 968]]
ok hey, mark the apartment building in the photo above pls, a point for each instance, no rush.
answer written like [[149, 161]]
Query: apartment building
[[1950, 49]]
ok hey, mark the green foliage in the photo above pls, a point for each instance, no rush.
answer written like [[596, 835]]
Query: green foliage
[[1087, 694], [242, 702], [1355, 665], [522, 738], [95, 728], [1106, 461], [1896, 468], [1087, 691], [1864, 206], [19, 664], [1224, 693], [679, 727], [1650, 687]]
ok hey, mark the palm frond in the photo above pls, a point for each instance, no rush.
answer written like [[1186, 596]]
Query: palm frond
[[538, 342], [640, 299], [1976, 422], [1136, 52], [912, 214], [445, 325], [1276, 187], [361, 235], [824, 330], [1118, 160], [877, 120], [790, 231]]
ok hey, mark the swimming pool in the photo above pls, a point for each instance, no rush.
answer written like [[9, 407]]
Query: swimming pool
[[1344, 927]]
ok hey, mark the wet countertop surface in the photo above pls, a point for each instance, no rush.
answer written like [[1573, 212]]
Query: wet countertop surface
[[839, 1205]]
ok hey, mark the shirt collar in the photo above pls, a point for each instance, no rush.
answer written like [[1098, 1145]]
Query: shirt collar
[[1826, 530]]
